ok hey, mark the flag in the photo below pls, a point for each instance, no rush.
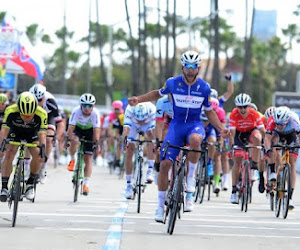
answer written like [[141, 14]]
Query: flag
[[25, 55]]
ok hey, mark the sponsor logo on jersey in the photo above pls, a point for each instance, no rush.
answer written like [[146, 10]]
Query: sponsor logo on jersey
[[184, 101]]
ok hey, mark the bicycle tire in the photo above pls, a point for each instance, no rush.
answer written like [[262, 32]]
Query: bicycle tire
[[176, 200], [243, 188], [196, 194], [247, 185], [76, 179], [201, 183], [286, 190], [16, 191], [139, 185], [277, 196], [209, 186]]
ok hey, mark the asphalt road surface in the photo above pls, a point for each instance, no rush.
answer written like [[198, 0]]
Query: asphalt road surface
[[106, 220]]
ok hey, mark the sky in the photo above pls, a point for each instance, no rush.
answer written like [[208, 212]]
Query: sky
[[49, 15]]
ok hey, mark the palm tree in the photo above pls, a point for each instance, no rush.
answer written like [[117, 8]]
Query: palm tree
[[216, 70]]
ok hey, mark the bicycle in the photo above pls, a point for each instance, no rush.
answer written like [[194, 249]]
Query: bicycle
[[139, 184], [245, 176], [175, 196], [283, 181], [17, 183], [55, 149], [78, 174]]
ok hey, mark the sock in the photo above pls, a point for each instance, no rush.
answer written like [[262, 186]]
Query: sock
[[217, 179], [32, 178], [4, 182], [292, 193], [192, 168], [150, 164], [234, 189], [261, 175], [72, 157], [85, 180], [161, 198], [209, 161], [272, 167], [254, 165], [225, 177], [128, 179], [189, 195]]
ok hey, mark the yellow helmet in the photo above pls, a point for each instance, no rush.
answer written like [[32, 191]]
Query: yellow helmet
[[27, 103], [3, 98]]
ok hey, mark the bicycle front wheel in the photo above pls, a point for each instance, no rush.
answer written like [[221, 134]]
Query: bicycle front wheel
[[286, 185], [278, 195], [76, 178], [16, 191], [139, 186]]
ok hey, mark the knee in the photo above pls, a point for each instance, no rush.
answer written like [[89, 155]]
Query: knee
[[195, 141], [164, 167]]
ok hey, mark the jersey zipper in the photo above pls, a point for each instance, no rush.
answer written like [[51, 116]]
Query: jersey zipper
[[187, 110]]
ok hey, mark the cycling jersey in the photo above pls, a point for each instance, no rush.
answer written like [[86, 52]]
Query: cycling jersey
[[293, 125], [222, 100], [245, 124], [85, 122], [20, 130], [210, 131], [187, 100], [163, 107], [221, 115], [50, 105]]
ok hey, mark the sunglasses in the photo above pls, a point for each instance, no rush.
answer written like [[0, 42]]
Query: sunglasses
[[87, 105], [191, 65], [280, 123], [117, 110], [243, 107]]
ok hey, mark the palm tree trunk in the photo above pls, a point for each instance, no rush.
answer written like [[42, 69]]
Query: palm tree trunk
[[146, 80], [167, 41], [160, 70], [174, 41], [216, 70]]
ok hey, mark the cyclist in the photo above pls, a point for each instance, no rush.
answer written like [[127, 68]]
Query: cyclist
[[84, 123], [164, 115], [116, 118], [3, 105], [283, 126], [269, 112], [189, 93], [217, 155], [224, 154], [246, 126], [24, 120], [139, 118], [55, 125]]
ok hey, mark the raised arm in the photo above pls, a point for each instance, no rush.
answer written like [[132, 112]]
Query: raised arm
[[149, 97]]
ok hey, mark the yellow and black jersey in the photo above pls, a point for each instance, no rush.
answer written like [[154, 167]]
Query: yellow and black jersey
[[12, 119]]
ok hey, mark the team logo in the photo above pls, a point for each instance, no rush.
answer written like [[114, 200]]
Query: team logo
[[198, 86]]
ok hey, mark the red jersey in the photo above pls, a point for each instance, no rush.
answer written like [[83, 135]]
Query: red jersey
[[245, 124]]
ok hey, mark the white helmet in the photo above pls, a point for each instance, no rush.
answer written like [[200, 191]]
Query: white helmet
[[141, 112], [190, 57], [242, 100], [38, 90], [87, 98], [252, 105], [270, 112], [282, 115], [214, 93]]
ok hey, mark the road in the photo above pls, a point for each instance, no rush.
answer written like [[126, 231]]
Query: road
[[106, 220]]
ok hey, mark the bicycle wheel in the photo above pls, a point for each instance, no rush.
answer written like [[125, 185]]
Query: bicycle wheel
[[139, 185], [209, 186], [201, 183], [278, 195], [176, 201], [16, 191], [76, 181], [286, 186], [247, 185]]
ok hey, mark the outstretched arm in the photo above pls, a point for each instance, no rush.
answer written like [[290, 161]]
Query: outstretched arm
[[150, 96], [230, 88]]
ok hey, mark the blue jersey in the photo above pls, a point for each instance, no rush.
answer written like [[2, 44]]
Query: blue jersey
[[164, 106], [221, 100], [187, 100]]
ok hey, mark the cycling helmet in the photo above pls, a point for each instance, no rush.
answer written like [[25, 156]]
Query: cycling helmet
[[252, 105], [3, 98], [190, 57], [117, 104], [38, 90], [214, 103], [214, 93], [282, 115], [140, 112], [242, 100], [270, 112], [87, 98], [27, 103], [203, 117]]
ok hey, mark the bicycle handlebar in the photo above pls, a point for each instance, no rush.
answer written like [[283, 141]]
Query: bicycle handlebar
[[184, 148]]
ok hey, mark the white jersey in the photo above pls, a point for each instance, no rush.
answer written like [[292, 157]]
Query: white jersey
[[135, 127], [130, 120], [85, 122]]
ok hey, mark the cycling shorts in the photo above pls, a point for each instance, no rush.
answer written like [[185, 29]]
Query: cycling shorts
[[178, 134], [87, 135], [135, 129]]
